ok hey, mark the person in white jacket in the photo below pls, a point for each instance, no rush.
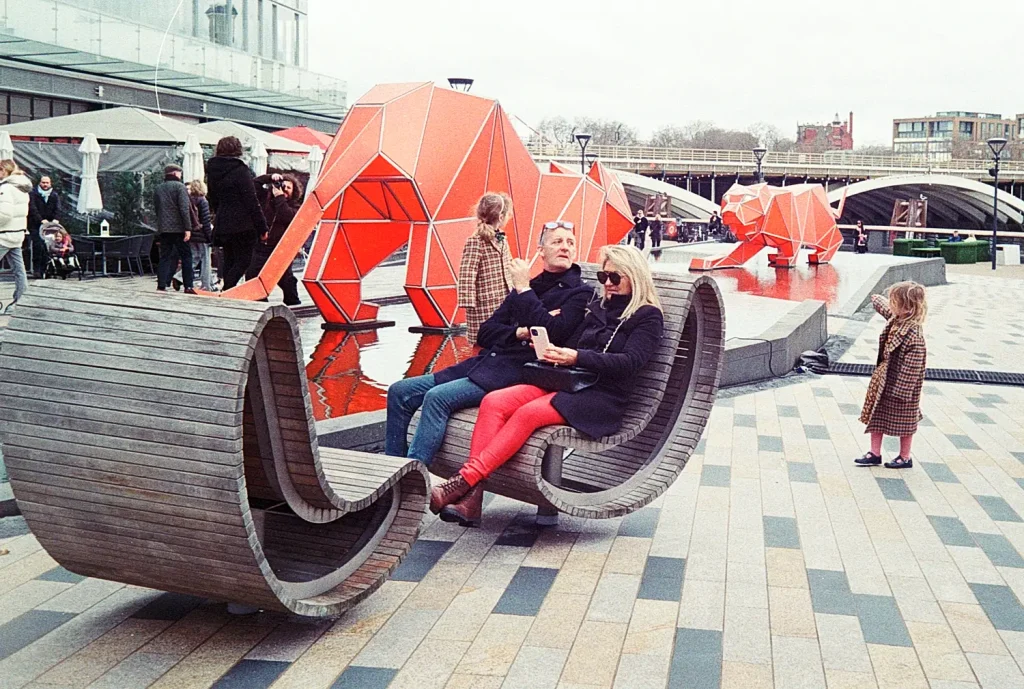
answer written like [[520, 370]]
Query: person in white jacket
[[14, 198]]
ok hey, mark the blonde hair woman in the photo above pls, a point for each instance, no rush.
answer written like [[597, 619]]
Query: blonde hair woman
[[14, 200], [484, 277], [621, 330]]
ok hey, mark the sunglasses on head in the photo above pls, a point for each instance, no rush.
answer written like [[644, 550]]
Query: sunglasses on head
[[608, 276], [555, 224]]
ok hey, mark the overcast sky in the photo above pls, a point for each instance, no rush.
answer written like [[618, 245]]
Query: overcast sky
[[650, 62]]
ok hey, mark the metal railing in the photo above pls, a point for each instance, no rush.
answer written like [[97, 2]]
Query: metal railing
[[835, 160]]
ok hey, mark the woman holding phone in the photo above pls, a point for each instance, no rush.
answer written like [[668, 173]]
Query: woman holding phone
[[621, 330]]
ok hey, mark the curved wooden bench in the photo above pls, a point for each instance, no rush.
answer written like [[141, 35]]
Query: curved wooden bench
[[168, 441], [564, 470]]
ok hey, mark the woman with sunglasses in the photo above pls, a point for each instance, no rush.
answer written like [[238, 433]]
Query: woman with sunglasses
[[621, 330]]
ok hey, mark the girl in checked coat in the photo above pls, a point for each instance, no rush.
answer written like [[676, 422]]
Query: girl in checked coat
[[484, 277], [893, 402]]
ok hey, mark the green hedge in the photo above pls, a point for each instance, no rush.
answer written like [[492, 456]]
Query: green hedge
[[959, 252], [982, 247], [905, 247]]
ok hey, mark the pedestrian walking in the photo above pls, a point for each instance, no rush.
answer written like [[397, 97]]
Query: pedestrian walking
[[640, 226], [893, 402], [14, 209], [44, 207], [484, 277], [280, 196], [657, 229], [238, 218], [174, 223], [714, 224]]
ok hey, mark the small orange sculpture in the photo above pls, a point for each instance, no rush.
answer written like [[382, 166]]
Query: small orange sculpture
[[786, 218], [406, 167]]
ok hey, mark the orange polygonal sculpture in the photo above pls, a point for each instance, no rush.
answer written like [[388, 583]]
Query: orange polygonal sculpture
[[408, 165], [786, 218]]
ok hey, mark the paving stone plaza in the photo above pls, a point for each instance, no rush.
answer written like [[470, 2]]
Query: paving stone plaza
[[771, 562]]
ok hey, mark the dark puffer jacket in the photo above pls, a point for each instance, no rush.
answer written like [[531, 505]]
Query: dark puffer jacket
[[233, 199]]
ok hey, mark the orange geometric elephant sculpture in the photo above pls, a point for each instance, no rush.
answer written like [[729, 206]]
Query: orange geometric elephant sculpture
[[786, 218], [407, 167]]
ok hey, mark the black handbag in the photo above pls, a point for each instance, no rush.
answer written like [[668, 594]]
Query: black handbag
[[554, 378], [557, 378]]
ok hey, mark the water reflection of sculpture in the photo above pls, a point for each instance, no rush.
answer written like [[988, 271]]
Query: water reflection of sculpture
[[819, 282], [786, 218], [406, 166], [337, 385]]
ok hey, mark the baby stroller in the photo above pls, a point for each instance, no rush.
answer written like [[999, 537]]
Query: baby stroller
[[61, 259]]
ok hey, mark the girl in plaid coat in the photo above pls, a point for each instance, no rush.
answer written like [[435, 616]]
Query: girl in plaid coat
[[893, 402], [484, 277]]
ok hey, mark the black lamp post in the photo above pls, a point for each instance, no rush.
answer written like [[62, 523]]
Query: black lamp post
[[583, 139], [759, 156], [996, 146], [460, 84]]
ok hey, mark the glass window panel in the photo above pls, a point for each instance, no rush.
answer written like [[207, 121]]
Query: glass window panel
[[21, 106], [41, 108]]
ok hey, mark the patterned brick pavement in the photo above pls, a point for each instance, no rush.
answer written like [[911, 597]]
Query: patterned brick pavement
[[772, 562]]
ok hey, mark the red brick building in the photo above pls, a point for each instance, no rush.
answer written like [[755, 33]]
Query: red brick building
[[818, 138]]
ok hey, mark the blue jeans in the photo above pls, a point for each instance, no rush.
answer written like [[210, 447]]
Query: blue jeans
[[439, 402], [17, 263]]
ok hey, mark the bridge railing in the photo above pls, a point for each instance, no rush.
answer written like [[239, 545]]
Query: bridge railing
[[838, 160]]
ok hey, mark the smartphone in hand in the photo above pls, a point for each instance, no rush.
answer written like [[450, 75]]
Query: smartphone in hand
[[539, 335]]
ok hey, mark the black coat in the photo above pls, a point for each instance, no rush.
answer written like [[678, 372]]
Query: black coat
[[499, 364], [278, 210], [40, 210], [233, 199], [597, 410], [656, 228], [172, 207], [204, 235]]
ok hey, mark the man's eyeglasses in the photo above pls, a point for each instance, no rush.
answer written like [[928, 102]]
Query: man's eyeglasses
[[556, 224], [608, 276]]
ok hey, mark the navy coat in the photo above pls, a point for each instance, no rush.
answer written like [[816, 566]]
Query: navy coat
[[597, 410], [499, 365]]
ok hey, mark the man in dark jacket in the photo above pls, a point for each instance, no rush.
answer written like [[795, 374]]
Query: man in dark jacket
[[174, 223], [43, 206], [239, 221], [714, 224], [640, 225], [556, 299], [280, 196]]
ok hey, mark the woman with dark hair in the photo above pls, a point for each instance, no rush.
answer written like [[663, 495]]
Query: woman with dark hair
[[239, 220], [280, 196], [861, 240]]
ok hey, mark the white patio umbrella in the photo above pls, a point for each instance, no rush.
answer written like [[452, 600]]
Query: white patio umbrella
[[258, 158], [193, 165], [89, 197], [314, 160], [6, 146]]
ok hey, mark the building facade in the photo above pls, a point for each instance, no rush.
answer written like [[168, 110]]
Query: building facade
[[953, 134], [819, 138], [243, 60]]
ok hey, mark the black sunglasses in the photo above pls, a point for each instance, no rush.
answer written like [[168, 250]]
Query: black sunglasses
[[608, 276]]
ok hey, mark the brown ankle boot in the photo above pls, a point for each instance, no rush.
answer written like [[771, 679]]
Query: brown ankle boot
[[465, 512], [448, 492]]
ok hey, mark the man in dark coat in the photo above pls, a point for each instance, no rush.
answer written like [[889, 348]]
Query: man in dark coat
[[43, 206], [556, 300], [640, 225], [174, 223], [239, 221], [714, 224]]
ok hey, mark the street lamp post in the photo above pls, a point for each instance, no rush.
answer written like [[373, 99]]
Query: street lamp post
[[759, 156], [583, 139], [996, 146]]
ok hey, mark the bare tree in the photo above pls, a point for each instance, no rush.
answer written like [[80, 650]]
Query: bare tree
[[670, 136], [768, 135], [605, 132]]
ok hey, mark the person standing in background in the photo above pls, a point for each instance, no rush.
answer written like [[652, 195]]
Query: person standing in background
[[861, 240], [280, 196], [640, 229], [484, 277], [657, 227], [238, 218], [44, 206]]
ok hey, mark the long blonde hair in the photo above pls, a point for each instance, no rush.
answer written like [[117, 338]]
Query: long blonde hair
[[908, 298], [492, 212], [9, 167], [633, 265], [197, 187]]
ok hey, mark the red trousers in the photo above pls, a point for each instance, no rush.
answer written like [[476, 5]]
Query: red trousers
[[507, 418]]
